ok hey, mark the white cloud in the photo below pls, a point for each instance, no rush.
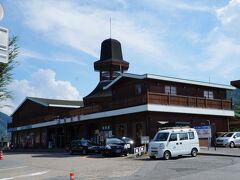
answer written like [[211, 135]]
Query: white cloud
[[179, 5], [27, 54], [224, 53], [42, 83], [223, 48], [229, 16], [157, 37], [84, 26], [230, 12]]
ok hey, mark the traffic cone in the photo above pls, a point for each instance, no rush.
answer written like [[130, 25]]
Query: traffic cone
[[1, 155], [71, 175]]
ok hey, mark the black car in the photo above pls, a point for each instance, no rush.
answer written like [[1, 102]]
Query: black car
[[114, 146], [84, 147], [130, 144]]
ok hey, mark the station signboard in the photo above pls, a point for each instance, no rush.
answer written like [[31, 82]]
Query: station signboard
[[203, 131]]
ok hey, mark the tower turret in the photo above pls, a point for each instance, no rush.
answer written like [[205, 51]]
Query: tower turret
[[111, 63]]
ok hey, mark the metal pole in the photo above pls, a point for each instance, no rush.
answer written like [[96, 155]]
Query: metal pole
[[209, 138]]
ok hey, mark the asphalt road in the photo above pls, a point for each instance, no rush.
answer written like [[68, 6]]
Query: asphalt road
[[56, 166]]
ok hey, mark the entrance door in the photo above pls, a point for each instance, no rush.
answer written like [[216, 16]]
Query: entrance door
[[121, 130], [138, 130]]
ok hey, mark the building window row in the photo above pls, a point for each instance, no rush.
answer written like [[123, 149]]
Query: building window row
[[173, 91]]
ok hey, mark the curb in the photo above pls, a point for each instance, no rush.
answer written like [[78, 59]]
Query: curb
[[216, 154]]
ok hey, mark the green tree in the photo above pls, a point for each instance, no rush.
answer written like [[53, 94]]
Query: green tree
[[6, 75], [238, 109]]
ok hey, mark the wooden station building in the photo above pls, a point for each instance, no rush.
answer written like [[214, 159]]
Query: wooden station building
[[122, 104]]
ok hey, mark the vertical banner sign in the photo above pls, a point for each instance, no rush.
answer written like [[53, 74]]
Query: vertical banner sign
[[3, 45]]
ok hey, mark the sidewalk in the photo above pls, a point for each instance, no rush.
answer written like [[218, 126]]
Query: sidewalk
[[220, 151]]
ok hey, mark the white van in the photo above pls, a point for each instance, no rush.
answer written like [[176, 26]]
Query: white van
[[174, 142]]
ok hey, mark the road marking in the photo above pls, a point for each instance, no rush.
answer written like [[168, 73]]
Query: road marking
[[19, 167], [26, 175]]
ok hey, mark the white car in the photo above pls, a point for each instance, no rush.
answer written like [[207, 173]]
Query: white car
[[231, 139], [174, 142]]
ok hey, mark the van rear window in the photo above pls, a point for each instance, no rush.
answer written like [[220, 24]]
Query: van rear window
[[191, 135], [161, 137]]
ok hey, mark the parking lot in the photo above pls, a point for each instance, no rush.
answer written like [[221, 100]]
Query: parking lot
[[58, 165]]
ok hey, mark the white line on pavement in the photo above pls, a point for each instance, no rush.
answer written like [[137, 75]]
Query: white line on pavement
[[19, 167], [26, 175]]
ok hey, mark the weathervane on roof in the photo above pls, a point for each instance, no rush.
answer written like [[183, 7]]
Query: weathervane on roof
[[110, 28]]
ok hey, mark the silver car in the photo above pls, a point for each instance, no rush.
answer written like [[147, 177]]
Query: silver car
[[231, 139]]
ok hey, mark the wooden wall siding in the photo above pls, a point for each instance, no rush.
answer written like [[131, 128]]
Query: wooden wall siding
[[123, 103], [96, 100], [125, 88], [32, 113]]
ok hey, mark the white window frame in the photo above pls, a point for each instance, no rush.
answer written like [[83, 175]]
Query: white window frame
[[208, 94], [138, 89], [171, 90]]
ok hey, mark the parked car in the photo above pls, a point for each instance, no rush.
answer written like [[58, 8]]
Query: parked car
[[174, 142], [84, 147], [231, 139], [130, 144], [114, 146]]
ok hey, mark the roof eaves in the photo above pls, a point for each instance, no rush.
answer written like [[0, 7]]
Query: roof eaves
[[128, 75], [165, 78], [64, 106], [37, 101], [27, 98], [18, 107], [200, 83]]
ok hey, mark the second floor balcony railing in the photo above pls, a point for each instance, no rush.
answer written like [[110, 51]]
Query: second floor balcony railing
[[188, 101]]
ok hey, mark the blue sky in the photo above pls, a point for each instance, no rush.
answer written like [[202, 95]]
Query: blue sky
[[60, 39]]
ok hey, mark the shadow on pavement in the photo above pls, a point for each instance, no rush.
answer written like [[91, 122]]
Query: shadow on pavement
[[52, 155], [146, 158], [100, 156]]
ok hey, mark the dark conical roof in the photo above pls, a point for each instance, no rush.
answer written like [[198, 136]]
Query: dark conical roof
[[111, 49], [111, 62]]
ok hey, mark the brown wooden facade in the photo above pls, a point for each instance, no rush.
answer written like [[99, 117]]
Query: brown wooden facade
[[122, 92], [133, 125]]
